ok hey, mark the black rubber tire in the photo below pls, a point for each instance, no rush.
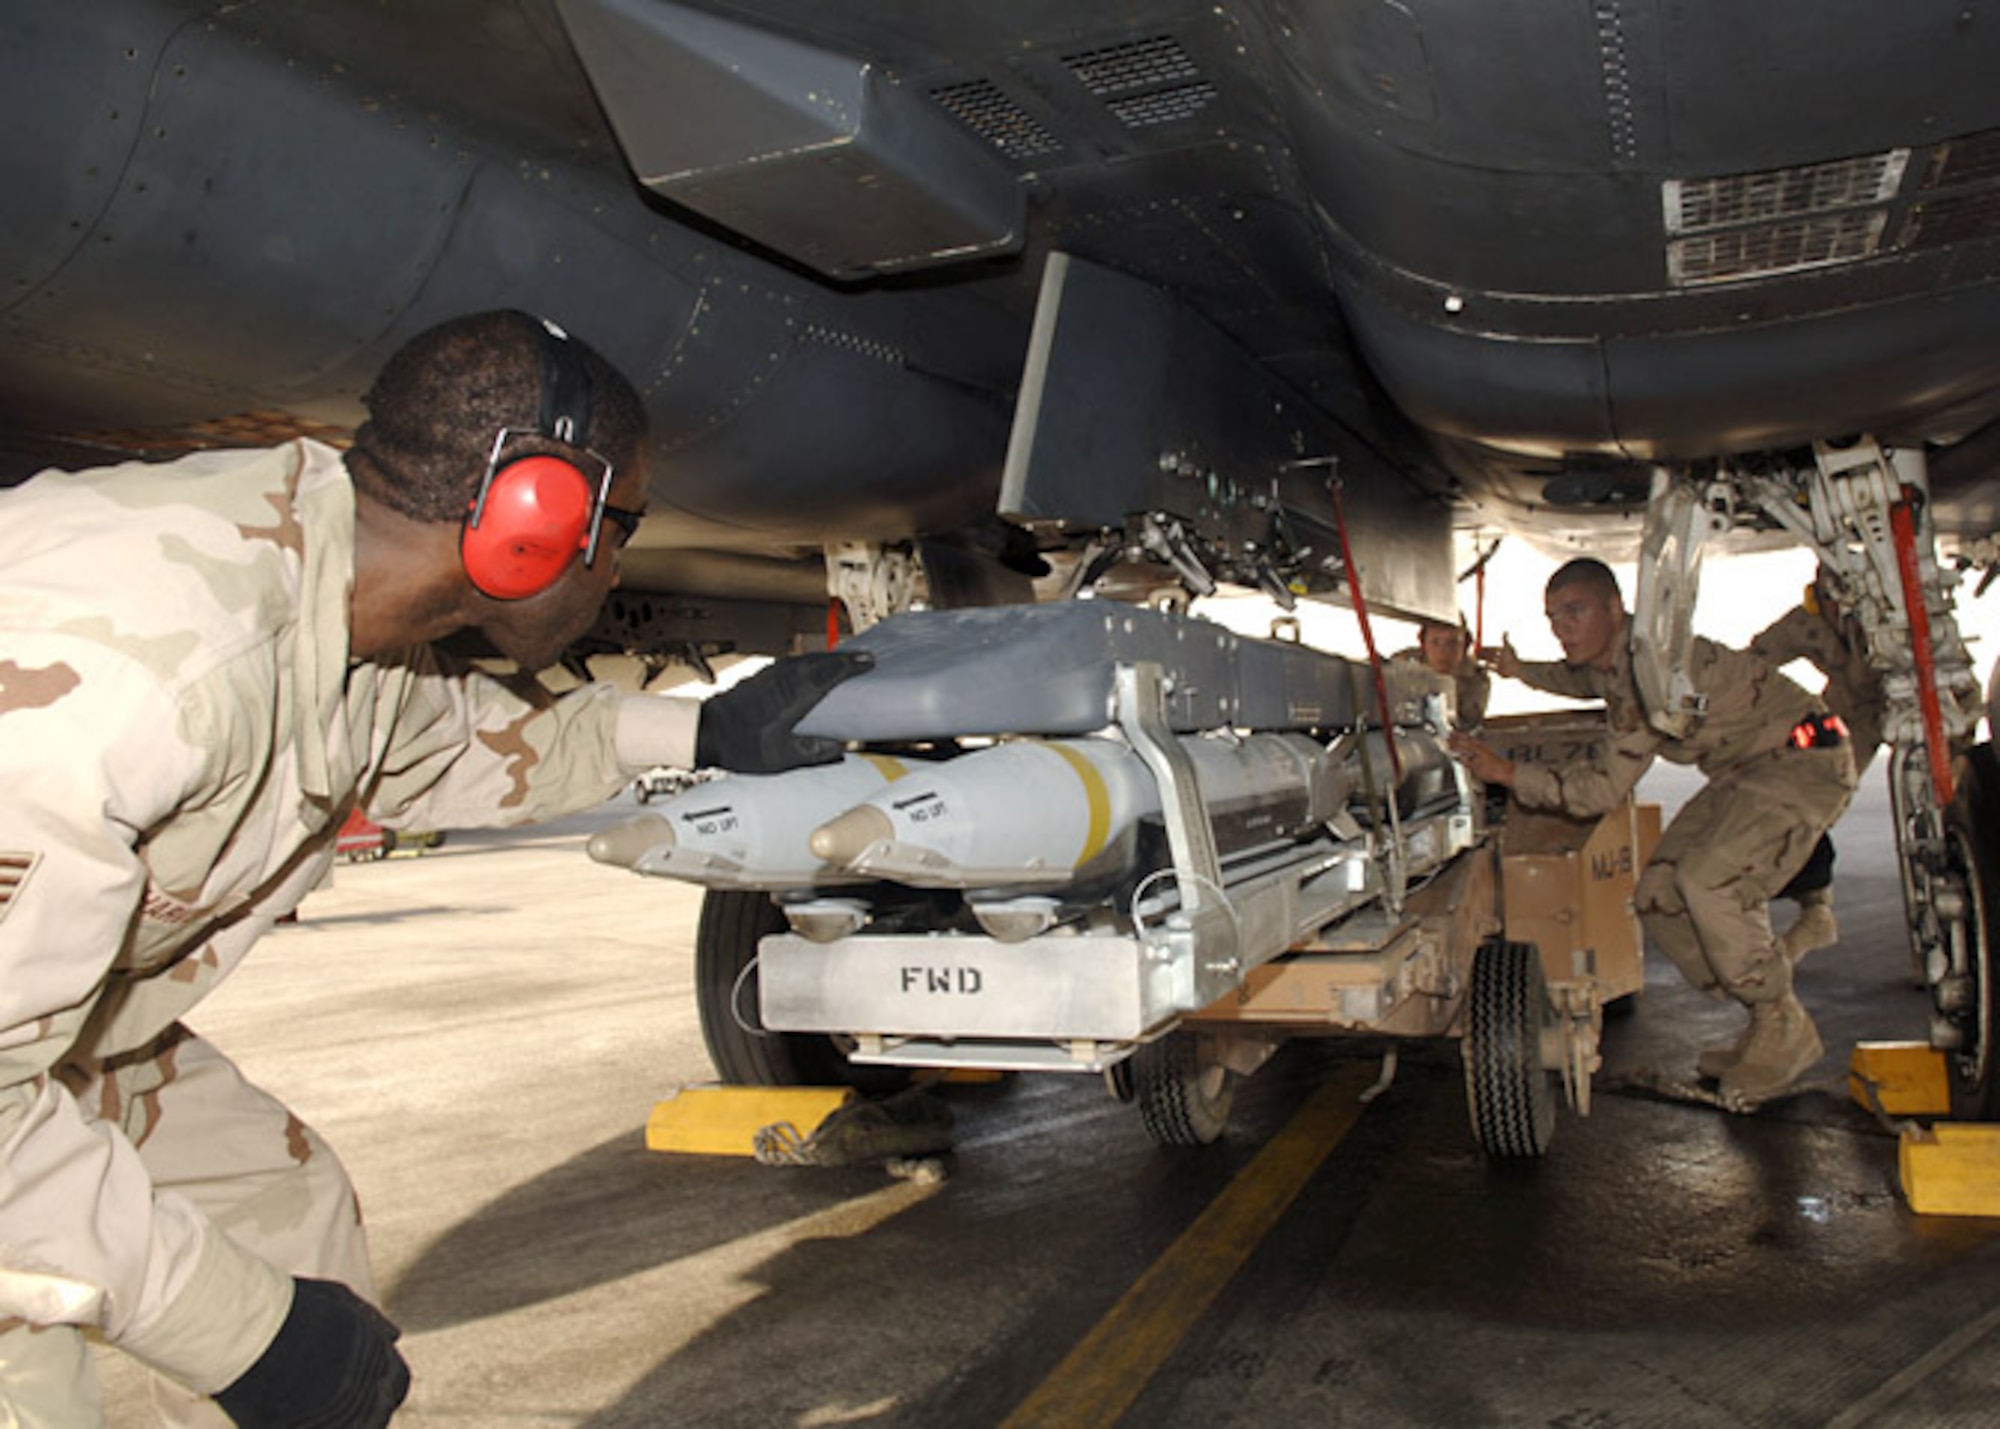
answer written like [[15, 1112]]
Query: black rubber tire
[[1972, 831], [725, 944], [1511, 1096], [1183, 1100]]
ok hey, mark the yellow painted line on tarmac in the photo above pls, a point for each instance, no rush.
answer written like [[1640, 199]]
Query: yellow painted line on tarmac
[[1111, 1366]]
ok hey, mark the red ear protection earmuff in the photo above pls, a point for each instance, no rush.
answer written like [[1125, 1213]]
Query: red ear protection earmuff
[[534, 514], [535, 518]]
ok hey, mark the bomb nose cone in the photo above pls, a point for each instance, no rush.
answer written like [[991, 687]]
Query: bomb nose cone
[[625, 844], [846, 838]]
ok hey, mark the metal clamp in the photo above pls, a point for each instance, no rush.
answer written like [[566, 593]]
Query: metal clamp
[[1139, 694]]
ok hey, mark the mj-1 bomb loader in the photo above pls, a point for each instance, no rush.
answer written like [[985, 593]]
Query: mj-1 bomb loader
[[1090, 837]]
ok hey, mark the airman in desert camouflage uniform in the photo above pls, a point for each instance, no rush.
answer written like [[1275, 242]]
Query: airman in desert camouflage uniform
[[204, 667], [1822, 633], [1779, 774], [1447, 650]]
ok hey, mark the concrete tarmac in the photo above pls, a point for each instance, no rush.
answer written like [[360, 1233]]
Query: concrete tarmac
[[482, 1030]]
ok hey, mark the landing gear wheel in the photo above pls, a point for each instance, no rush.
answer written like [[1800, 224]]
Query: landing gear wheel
[[725, 978], [1965, 1005], [1184, 1098], [1511, 1095], [1914, 810]]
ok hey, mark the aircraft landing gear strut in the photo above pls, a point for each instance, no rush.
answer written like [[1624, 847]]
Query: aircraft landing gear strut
[[1863, 509]]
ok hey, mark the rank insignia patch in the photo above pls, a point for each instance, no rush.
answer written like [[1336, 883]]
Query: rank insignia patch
[[15, 870]]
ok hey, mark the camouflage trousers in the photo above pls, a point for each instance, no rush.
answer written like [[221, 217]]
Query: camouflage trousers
[[253, 1168], [1705, 896]]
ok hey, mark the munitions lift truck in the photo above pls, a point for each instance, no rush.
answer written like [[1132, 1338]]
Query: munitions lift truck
[[1209, 927]]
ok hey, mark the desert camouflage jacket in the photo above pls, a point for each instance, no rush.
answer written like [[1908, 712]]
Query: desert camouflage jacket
[[182, 734], [1840, 652], [1752, 710]]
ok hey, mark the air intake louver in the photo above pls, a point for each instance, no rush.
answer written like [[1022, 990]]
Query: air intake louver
[[982, 108], [1955, 218], [1779, 220], [1971, 159], [1144, 82], [1141, 64], [1961, 197]]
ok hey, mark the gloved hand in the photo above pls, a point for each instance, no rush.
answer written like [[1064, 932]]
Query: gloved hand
[[748, 728], [332, 1365]]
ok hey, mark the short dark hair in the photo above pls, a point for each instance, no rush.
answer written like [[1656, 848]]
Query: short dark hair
[[1590, 573], [440, 399]]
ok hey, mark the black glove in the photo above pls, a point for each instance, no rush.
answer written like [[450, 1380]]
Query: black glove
[[333, 1365], [748, 729]]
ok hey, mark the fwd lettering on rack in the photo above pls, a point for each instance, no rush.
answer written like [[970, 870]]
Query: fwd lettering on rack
[[960, 982]]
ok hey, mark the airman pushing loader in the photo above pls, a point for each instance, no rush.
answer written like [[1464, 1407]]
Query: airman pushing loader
[[1779, 773]]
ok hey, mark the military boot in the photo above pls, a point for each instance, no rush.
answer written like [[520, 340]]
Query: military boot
[[1714, 1061], [1782, 1045], [1815, 927]]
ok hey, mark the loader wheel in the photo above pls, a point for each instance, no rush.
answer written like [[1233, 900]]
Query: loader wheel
[[1512, 1096], [725, 976], [1183, 1099]]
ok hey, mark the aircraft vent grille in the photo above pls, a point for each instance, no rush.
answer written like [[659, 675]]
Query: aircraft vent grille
[[1972, 159], [1955, 218], [1960, 202], [1770, 248], [1139, 64], [1700, 205], [1144, 82], [1165, 106], [1779, 220], [981, 106]]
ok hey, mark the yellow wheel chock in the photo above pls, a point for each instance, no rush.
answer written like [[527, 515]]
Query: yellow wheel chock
[[724, 1121], [1907, 1079], [1947, 1168]]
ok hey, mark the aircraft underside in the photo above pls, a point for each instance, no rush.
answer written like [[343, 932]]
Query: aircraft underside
[[1518, 258], [959, 304]]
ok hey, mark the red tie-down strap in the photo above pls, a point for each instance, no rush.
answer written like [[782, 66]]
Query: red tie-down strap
[[1903, 532], [1367, 632]]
